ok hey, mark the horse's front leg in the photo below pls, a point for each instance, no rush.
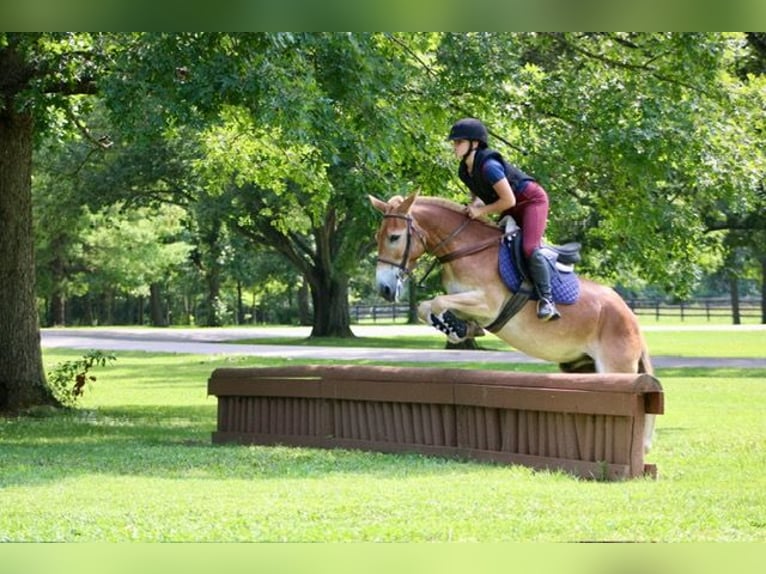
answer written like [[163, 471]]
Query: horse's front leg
[[447, 313]]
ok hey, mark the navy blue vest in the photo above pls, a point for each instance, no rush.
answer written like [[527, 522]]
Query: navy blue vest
[[480, 187]]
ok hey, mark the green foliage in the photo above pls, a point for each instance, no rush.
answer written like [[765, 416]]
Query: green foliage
[[69, 378]]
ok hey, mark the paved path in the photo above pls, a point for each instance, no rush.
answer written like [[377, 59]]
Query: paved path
[[214, 341]]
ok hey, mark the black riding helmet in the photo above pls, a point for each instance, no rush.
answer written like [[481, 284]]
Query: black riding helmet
[[469, 129]]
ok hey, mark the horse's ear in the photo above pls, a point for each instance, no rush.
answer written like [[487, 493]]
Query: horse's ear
[[378, 204], [407, 203]]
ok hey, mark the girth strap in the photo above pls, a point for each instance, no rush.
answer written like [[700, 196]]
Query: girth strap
[[511, 307]]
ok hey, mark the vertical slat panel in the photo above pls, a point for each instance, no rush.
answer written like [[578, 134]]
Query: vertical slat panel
[[241, 413], [233, 405], [398, 422], [599, 440], [417, 424], [449, 418], [609, 439], [311, 426], [296, 410], [328, 418], [551, 448], [533, 432], [320, 410], [510, 438], [492, 429], [305, 428], [471, 440], [223, 423], [276, 414], [380, 425], [388, 418], [569, 431], [306, 416], [581, 426], [523, 433], [360, 428], [263, 415], [437, 425], [353, 426], [345, 426], [461, 425], [369, 420], [250, 421], [409, 427], [621, 440], [481, 428], [425, 423]]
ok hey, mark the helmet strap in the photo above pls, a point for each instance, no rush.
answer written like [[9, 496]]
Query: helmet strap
[[471, 148]]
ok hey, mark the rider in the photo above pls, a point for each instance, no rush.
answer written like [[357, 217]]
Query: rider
[[496, 186]]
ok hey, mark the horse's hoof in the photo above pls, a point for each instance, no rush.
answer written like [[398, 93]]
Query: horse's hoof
[[455, 329]]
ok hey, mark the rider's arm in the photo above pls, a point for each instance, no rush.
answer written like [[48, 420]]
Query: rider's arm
[[505, 200]]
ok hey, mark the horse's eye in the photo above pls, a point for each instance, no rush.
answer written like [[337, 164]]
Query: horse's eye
[[394, 238]]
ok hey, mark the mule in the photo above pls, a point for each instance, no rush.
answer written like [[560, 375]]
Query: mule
[[597, 333]]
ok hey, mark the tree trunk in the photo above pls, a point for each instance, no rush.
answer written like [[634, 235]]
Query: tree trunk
[[304, 309], [331, 315], [155, 306], [240, 304], [22, 377], [734, 291], [763, 290], [412, 300]]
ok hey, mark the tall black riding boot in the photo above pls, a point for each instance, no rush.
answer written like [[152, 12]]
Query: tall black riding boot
[[541, 277]]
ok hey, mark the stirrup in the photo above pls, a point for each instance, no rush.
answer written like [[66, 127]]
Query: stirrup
[[455, 329], [546, 310]]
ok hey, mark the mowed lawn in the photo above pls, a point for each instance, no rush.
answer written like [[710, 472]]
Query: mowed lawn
[[135, 463]]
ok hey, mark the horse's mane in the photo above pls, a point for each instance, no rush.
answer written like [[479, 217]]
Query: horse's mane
[[441, 202], [451, 206]]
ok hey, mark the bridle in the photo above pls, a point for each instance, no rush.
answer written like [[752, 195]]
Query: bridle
[[403, 265], [407, 247]]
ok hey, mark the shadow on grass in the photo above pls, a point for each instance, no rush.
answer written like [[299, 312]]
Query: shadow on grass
[[173, 442]]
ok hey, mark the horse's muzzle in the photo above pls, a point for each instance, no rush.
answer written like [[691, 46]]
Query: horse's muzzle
[[389, 284]]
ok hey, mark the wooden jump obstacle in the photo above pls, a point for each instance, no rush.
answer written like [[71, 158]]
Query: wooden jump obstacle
[[589, 425]]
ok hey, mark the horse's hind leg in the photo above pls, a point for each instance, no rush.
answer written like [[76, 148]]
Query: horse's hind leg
[[629, 359]]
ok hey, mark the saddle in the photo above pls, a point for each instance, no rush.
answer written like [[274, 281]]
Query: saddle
[[561, 258]]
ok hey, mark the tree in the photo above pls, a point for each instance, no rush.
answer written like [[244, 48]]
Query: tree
[[302, 128], [37, 74]]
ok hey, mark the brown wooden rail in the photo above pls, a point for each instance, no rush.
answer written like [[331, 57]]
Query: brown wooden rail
[[589, 425]]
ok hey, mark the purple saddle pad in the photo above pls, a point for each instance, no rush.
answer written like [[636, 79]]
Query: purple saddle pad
[[565, 286]]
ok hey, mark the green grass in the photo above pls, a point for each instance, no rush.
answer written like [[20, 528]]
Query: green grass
[[135, 463], [708, 343], [702, 343]]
